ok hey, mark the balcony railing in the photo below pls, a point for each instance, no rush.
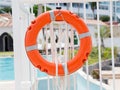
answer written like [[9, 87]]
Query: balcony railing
[[104, 71]]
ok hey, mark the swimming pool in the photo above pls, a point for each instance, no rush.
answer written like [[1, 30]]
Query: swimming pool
[[7, 73], [6, 68], [81, 84]]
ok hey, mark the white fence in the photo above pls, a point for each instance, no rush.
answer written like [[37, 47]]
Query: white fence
[[107, 71]]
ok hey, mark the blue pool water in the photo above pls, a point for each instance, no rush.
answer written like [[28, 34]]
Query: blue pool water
[[81, 84], [7, 73], [6, 69]]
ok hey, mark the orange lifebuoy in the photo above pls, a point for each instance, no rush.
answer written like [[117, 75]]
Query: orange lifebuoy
[[31, 42]]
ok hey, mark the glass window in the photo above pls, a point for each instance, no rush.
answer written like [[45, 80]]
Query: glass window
[[118, 10], [87, 6], [51, 4], [81, 14], [89, 15], [75, 5], [104, 3], [81, 5], [103, 7], [65, 4], [118, 3]]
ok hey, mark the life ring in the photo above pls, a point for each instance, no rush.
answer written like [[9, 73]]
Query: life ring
[[31, 42]]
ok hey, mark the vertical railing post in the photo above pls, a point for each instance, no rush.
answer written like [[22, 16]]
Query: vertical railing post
[[99, 44], [21, 62], [112, 43]]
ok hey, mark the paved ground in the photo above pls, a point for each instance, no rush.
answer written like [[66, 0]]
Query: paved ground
[[10, 85], [109, 75], [7, 85], [117, 84]]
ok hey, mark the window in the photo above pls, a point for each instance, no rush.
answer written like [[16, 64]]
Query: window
[[81, 5], [118, 10], [89, 15], [104, 3], [103, 7], [118, 3], [51, 4], [75, 4], [65, 4], [87, 6], [81, 14]]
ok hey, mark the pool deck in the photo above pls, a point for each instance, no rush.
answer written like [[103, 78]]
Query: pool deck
[[94, 80], [117, 84], [109, 76], [7, 85], [10, 85]]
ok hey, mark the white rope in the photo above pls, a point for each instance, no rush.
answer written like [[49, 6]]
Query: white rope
[[99, 45], [47, 54], [56, 62], [52, 49], [61, 36], [56, 59], [60, 52], [33, 70], [66, 55], [112, 44], [72, 50], [46, 47], [60, 41], [72, 46], [87, 70]]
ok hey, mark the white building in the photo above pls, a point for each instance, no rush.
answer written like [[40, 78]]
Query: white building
[[105, 9], [76, 8], [5, 3], [6, 33]]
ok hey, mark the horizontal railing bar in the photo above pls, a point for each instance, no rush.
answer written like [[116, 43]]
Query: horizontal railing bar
[[60, 1]]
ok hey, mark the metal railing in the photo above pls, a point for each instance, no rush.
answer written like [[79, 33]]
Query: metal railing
[[96, 27]]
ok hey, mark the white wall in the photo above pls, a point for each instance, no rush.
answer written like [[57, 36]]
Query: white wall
[[6, 29]]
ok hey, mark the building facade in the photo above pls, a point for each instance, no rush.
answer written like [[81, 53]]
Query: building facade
[[104, 9], [6, 34], [5, 3]]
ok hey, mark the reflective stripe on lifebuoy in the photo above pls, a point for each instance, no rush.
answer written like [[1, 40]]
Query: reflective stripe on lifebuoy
[[31, 42]]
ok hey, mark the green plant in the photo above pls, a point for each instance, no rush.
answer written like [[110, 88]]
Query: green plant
[[93, 7], [75, 40], [6, 9], [93, 57], [95, 74], [70, 53], [104, 33], [105, 54], [104, 18], [35, 9]]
